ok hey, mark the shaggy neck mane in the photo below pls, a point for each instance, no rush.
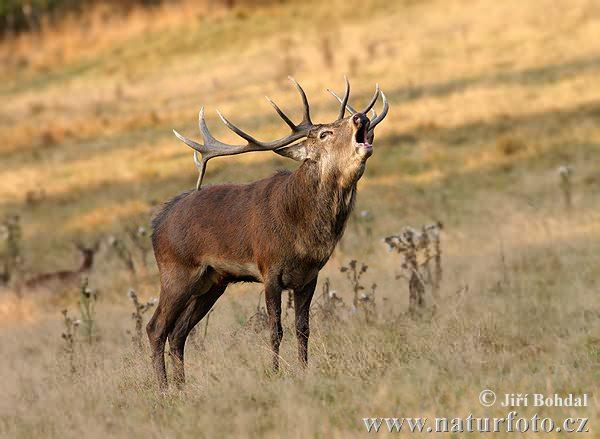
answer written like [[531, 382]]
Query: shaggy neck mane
[[319, 204]]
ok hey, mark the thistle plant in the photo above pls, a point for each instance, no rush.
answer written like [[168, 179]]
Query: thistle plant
[[426, 243], [10, 250], [431, 235], [361, 299], [140, 309], [367, 302], [436, 231], [354, 273], [140, 239], [87, 309], [4, 266], [566, 172], [259, 320], [68, 336], [330, 303], [416, 246], [413, 242], [123, 253]]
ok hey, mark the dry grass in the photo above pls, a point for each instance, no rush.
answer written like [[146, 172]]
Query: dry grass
[[488, 100]]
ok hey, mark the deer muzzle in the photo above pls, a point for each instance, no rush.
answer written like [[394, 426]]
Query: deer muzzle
[[360, 124]]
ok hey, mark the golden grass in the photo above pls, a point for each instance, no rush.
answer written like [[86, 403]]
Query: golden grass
[[488, 99]]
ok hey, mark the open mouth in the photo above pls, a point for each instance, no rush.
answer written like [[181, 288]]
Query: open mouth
[[360, 136]]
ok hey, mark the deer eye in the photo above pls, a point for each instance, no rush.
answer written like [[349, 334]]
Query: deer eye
[[324, 134]]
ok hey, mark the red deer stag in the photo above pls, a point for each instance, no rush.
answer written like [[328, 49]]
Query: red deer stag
[[64, 277], [279, 231]]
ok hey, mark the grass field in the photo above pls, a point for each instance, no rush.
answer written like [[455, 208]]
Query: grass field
[[488, 99]]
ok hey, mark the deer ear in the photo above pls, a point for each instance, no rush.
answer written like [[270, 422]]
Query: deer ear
[[296, 151]]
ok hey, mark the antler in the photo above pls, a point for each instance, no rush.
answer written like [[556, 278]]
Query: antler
[[215, 148], [376, 119]]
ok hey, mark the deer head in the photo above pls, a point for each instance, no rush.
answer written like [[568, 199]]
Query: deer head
[[340, 148], [87, 254]]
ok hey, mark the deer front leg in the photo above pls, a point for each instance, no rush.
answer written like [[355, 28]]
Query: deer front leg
[[302, 299], [158, 328], [273, 302]]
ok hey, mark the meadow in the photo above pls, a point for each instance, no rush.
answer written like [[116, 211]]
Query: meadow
[[489, 102]]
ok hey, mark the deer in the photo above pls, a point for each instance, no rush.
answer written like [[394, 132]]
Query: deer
[[66, 277], [279, 231]]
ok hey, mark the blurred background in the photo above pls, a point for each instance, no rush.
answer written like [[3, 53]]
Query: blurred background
[[494, 130]]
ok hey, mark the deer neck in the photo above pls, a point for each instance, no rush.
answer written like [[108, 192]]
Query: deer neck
[[86, 264], [320, 204]]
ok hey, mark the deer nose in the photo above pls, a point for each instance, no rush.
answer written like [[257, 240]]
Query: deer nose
[[357, 120]]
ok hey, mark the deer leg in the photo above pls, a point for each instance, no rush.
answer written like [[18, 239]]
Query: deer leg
[[302, 299], [174, 295], [273, 302], [195, 310]]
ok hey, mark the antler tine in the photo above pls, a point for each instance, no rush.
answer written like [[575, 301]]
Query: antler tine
[[256, 145], [373, 100], [281, 114], [344, 101], [239, 132], [381, 116], [340, 100], [211, 148], [201, 165], [306, 116], [214, 148]]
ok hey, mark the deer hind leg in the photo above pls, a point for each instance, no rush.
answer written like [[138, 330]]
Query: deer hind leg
[[196, 308], [302, 299], [176, 289], [273, 302]]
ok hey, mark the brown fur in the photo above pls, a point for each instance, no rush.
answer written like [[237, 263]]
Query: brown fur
[[279, 231], [64, 277]]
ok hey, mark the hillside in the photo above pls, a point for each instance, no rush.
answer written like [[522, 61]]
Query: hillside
[[488, 99]]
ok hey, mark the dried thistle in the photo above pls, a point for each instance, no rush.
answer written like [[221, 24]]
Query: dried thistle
[[566, 172], [137, 317], [415, 246], [123, 253], [139, 237], [367, 302], [416, 284], [354, 273], [68, 336], [330, 303], [11, 260], [258, 321], [433, 234], [436, 232], [87, 308], [361, 299]]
